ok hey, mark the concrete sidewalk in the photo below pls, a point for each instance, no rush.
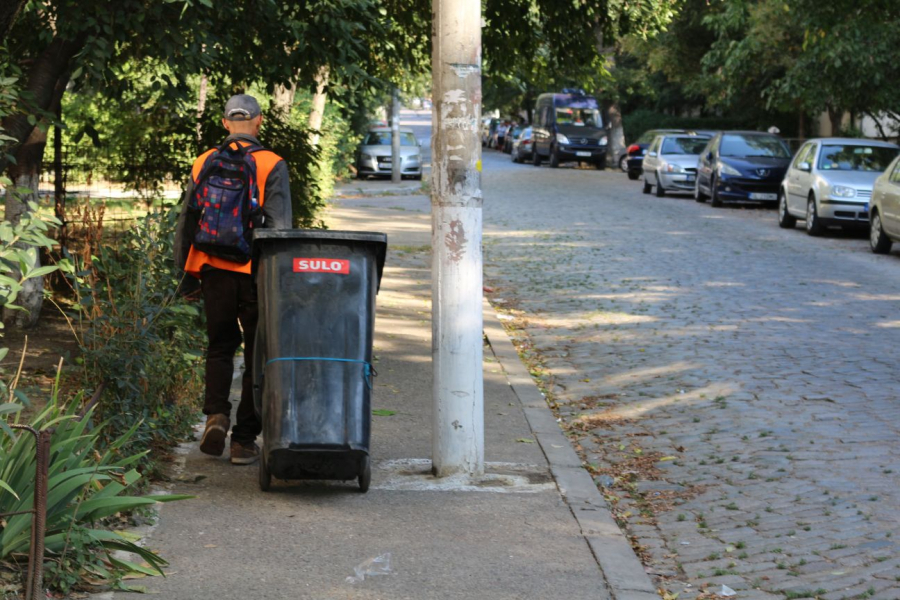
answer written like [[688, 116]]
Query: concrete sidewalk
[[509, 535]]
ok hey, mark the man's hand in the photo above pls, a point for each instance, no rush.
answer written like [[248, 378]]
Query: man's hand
[[189, 289]]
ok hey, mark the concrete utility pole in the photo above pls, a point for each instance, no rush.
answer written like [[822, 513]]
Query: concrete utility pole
[[456, 203], [396, 166]]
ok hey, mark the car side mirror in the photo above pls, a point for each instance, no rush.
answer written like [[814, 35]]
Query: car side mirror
[[651, 154], [805, 166]]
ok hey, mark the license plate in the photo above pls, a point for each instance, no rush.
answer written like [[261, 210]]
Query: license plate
[[384, 161], [758, 196], [582, 154]]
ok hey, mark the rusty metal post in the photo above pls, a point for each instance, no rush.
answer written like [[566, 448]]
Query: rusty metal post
[[456, 213], [34, 582]]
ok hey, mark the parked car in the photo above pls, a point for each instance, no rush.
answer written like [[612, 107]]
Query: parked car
[[671, 163], [514, 130], [373, 158], [568, 127], [522, 146], [742, 166], [884, 222], [633, 160], [830, 183]]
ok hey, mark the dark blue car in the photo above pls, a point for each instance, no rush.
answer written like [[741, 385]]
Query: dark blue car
[[742, 166]]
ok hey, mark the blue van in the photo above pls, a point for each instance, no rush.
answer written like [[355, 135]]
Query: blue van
[[568, 127]]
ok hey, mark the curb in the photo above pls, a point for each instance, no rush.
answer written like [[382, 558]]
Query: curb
[[376, 193], [625, 575]]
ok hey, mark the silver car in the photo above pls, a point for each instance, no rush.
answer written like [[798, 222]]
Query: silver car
[[829, 183], [671, 163], [884, 219], [374, 156]]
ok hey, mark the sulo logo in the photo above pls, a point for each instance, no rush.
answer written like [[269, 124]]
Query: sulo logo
[[322, 265]]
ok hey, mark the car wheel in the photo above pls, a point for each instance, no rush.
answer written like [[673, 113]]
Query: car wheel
[[714, 198], [813, 225], [647, 186], [660, 192], [623, 163], [554, 157], [698, 195], [878, 239], [785, 219], [634, 175], [535, 157]]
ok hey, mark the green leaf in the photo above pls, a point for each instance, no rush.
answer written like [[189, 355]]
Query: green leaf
[[383, 412], [525, 440], [41, 271]]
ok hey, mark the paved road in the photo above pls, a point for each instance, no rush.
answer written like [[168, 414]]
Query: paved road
[[737, 382]]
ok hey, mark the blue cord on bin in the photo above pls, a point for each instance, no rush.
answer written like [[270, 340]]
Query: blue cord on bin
[[368, 369]]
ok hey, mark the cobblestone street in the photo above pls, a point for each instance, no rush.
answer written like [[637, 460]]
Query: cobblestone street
[[732, 384]]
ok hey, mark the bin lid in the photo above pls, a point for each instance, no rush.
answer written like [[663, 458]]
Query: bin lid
[[379, 240]]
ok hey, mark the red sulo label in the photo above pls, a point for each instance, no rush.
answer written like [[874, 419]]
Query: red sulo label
[[322, 265]]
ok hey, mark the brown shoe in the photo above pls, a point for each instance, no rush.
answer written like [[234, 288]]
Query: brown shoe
[[244, 454], [213, 440]]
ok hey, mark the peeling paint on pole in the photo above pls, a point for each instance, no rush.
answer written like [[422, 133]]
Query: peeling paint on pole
[[458, 421]]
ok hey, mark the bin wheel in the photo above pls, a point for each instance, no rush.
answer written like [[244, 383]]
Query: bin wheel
[[365, 475], [265, 476]]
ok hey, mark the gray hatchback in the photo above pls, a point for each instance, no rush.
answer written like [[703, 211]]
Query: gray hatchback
[[829, 183]]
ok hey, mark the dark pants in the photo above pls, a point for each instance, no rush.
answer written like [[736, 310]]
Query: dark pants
[[229, 298]]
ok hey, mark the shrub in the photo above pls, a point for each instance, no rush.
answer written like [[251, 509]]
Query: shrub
[[139, 336], [85, 488]]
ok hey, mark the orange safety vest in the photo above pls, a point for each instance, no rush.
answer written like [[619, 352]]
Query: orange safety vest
[[196, 260]]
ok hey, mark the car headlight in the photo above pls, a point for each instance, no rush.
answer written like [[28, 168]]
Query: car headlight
[[604, 141], [674, 168], [842, 191], [726, 169], [562, 139]]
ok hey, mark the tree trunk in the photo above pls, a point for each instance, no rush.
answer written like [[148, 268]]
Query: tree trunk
[[9, 12], [47, 70], [616, 139], [201, 105], [26, 173], [284, 97], [836, 116], [317, 113], [59, 188]]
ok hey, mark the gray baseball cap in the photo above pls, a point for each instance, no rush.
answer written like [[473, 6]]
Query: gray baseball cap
[[242, 107]]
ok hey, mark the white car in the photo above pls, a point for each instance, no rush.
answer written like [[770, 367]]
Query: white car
[[884, 219], [829, 183], [671, 163]]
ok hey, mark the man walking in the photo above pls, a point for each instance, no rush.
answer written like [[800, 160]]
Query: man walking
[[232, 190]]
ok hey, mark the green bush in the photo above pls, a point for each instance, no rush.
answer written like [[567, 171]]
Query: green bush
[[311, 179], [639, 121], [85, 488], [140, 337]]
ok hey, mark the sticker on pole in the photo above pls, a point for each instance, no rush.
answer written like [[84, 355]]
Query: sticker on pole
[[322, 265]]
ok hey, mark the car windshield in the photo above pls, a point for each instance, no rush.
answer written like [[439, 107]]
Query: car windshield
[[684, 145], [744, 146], [852, 157], [582, 117], [649, 136], [383, 138]]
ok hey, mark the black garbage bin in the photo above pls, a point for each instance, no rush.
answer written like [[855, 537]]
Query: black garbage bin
[[312, 363]]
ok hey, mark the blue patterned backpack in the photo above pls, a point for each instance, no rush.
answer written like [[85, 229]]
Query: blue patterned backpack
[[226, 202]]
